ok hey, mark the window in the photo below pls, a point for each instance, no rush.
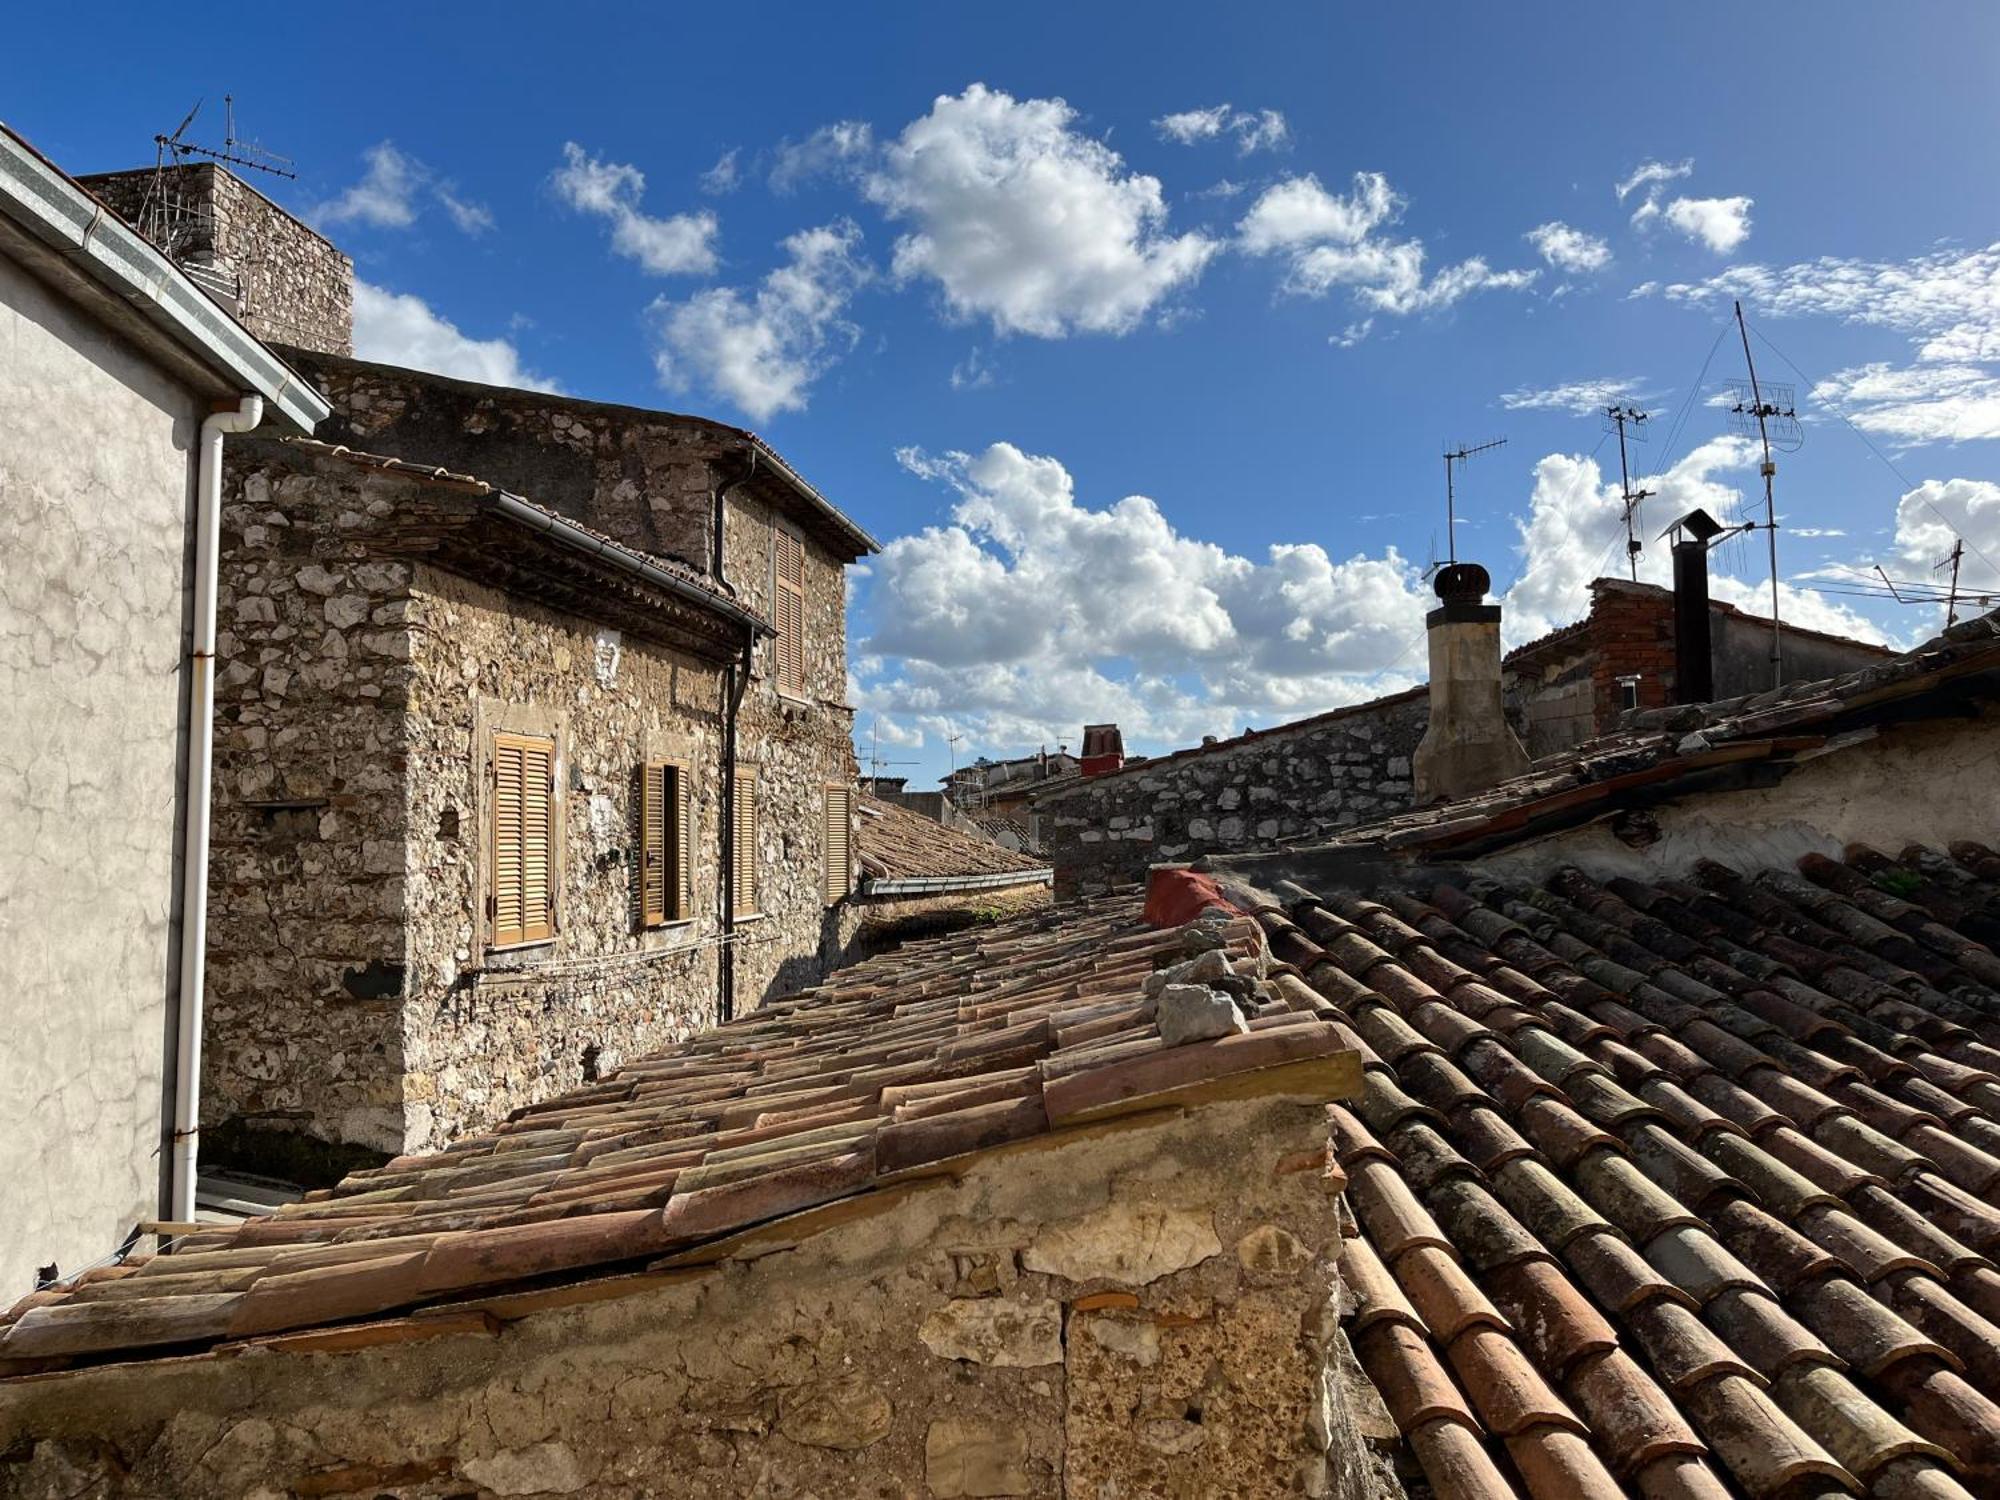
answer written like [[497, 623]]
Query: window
[[788, 610], [665, 843], [743, 843], [838, 843], [520, 901]]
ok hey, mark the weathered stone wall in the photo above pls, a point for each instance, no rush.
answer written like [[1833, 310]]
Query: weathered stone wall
[[800, 746], [294, 286], [307, 879], [1258, 792], [1141, 1310], [96, 484], [488, 1030]]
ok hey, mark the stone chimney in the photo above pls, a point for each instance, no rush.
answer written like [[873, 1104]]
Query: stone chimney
[[1469, 745]]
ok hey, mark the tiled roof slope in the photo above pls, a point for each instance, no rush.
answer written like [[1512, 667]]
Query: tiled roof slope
[[887, 1073], [1697, 746], [1676, 1189], [897, 844]]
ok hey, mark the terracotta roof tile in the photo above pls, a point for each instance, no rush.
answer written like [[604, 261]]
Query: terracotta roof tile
[[897, 844], [1715, 1154], [948, 1046]]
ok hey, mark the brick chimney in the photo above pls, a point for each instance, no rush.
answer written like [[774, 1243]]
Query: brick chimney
[[1103, 749], [1694, 653], [1469, 745]]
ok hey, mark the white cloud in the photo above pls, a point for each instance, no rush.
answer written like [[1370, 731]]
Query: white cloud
[[1719, 223], [973, 373], [1569, 249], [1576, 397], [725, 175], [682, 244], [1575, 531], [1938, 511], [830, 150], [1025, 222], [392, 192], [1923, 403], [1332, 240], [1652, 176], [763, 350], [1254, 130], [395, 328]]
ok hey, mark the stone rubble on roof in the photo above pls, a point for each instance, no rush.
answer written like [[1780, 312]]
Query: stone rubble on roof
[[1678, 1189], [944, 1047]]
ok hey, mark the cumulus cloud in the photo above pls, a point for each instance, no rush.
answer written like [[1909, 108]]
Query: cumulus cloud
[[1574, 531], [1569, 249], [830, 150], [1031, 611], [1931, 517], [1719, 223], [1022, 220], [682, 244], [763, 349], [1652, 176], [1576, 397], [1334, 240], [1922, 403], [396, 328], [1253, 130], [392, 194]]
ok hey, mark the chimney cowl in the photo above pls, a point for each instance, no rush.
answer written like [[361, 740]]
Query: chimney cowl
[[1468, 744], [1462, 588]]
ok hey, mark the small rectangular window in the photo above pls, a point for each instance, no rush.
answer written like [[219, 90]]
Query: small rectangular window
[[665, 842], [788, 610], [521, 884], [743, 843], [838, 843]]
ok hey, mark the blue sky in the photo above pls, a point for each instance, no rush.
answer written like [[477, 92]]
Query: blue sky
[[986, 274]]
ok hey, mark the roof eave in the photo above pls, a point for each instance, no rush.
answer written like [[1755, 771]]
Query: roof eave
[[47, 205]]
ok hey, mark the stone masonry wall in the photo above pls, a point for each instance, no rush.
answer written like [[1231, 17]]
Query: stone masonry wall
[[487, 1031], [296, 287], [1259, 792], [1145, 1309], [307, 884]]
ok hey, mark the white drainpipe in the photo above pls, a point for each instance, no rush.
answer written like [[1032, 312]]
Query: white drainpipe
[[201, 758]]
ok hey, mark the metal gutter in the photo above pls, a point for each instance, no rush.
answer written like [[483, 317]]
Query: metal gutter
[[580, 539], [49, 206], [929, 884], [813, 497]]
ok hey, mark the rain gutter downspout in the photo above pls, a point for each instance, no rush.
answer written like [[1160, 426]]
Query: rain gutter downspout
[[185, 1146], [735, 679]]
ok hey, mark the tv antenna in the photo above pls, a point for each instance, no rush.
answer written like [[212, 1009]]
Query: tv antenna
[[1629, 419], [875, 760], [1951, 560], [1769, 412], [235, 150], [1452, 456]]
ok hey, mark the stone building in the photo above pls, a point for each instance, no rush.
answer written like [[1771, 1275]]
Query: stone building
[[1335, 770], [284, 281], [113, 364], [920, 876]]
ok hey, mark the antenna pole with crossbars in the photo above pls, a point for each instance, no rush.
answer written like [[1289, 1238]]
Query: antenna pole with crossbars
[[1621, 416], [1952, 560], [1452, 456], [1763, 411]]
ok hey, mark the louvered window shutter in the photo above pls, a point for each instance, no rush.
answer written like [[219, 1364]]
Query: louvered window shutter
[[522, 898], [839, 843], [743, 840], [655, 870], [683, 886], [789, 612]]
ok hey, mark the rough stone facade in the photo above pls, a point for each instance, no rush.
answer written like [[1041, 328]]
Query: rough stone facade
[[1261, 791], [1146, 1309], [287, 283], [96, 477]]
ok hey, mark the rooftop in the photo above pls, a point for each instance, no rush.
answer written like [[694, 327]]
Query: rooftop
[[904, 850], [808, 1110]]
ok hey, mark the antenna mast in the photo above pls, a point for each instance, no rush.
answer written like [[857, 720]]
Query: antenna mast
[[1452, 456], [1622, 417], [1768, 404], [1952, 560]]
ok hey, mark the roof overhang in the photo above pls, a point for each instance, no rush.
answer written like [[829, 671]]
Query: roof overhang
[[64, 233], [932, 885]]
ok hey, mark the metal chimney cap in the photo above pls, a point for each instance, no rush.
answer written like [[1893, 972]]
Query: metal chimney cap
[[1462, 583]]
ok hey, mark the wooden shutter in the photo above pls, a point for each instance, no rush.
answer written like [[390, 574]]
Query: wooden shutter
[[522, 896], [788, 609], [839, 843], [654, 826], [665, 844], [743, 842]]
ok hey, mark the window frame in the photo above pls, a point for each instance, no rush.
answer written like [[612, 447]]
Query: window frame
[[781, 587], [830, 894], [496, 740], [741, 910], [666, 778]]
